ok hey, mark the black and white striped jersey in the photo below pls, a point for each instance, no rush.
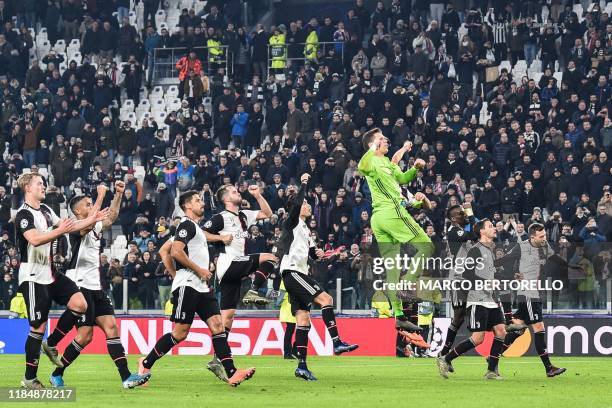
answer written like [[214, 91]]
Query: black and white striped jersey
[[189, 233], [295, 244], [84, 268], [36, 262], [483, 258], [234, 224]]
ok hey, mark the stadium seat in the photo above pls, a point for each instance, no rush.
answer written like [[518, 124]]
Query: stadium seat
[[159, 105], [536, 65], [144, 104], [42, 47], [143, 115], [139, 172], [157, 91], [42, 35], [154, 98], [160, 17], [172, 90], [521, 64], [505, 64], [160, 117], [75, 43], [199, 5], [161, 26], [188, 4], [174, 104], [537, 76], [128, 104], [577, 8], [131, 116], [60, 46]]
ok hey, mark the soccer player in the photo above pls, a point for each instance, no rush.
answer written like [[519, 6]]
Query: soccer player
[[391, 223], [458, 244], [295, 247], [532, 255], [191, 293], [84, 270], [39, 283], [483, 309], [229, 230]]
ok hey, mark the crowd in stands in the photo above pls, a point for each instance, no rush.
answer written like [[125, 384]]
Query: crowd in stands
[[507, 102]]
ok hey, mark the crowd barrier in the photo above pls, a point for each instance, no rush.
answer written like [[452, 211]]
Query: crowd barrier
[[567, 336]]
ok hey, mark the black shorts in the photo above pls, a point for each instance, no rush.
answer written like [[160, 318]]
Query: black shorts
[[38, 297], [302, 290], [529, 310], [231, 282], [484, 318], [459, 298], [186, 302], [98, 304]]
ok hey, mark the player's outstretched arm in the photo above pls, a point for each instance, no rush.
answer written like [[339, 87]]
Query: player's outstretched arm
[[423, 200], [115, 205], [37, 238], [164, 253], [101, 189], [265, 211], [212, 228], [365, 165], [88, 222], [410, 174], [397, 157], [294, 215]]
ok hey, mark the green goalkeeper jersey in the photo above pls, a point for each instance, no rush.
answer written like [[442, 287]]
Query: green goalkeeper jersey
[[384, 179]]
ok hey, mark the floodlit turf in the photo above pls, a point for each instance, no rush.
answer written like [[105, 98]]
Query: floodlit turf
[[344, 382]]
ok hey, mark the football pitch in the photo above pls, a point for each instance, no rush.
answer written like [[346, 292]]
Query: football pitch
[[344, 382]]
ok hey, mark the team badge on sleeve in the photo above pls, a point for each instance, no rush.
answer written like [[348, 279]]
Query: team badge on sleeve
[[182, 233], [24, 224]]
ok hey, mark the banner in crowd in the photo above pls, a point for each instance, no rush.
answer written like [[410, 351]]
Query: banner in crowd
[[567, 336]]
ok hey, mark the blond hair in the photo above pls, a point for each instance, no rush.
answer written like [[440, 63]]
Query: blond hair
[[25, 180]]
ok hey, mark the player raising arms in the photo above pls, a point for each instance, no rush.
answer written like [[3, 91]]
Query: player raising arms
[[532, 255], [459, 243], [391, 223], [484, 311], [84, 270], [39, 283], [191, 293], [229, 230], [295, 247]]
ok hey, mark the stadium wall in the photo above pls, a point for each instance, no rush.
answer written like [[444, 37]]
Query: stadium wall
[[567, 336]]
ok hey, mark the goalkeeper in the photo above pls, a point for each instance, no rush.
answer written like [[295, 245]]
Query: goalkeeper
[[391, 223]]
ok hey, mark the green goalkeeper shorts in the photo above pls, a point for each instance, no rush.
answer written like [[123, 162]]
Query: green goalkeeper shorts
[[397, 227]]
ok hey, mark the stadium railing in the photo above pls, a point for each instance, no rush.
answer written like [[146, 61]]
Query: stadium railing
[[165, 59], [299, 48]]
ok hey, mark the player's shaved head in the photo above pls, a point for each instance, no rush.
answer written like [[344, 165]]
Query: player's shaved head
[[75, 201], [453, 211]]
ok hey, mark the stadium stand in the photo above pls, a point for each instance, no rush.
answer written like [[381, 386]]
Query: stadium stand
[[509, 107]]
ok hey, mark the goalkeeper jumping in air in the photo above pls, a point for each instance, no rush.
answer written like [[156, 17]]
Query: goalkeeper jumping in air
[[391, 223]]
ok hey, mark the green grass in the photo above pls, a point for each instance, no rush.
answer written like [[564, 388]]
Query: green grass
[[344, 382]]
